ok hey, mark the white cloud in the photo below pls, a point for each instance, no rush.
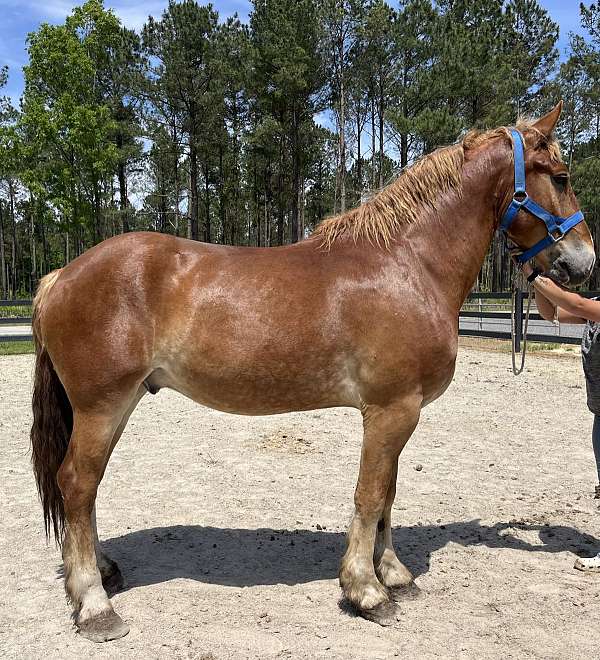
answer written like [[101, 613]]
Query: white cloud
[[132, 13], [135, 14], [48, 9]]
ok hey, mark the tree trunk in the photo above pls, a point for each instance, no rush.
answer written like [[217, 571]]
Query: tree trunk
[[296, 176], [97, 214], [320, 197], [268, 206], [13, 247], [236, 177], [222, 214], [162, 205], [403, 150], [373, 141], [280, 210], [207, 227], [32, 248], [176, 174], [45, 257], [194, 207], [257, 202], [358, 152], [266, 223], [2, 254], [342, 163], [301, 205], [381, 133], [404, 136], [123, 200]]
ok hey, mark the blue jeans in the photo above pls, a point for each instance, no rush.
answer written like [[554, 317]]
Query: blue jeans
[[596, 443]]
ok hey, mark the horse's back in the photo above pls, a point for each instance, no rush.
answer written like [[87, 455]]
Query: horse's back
[[204, 318]]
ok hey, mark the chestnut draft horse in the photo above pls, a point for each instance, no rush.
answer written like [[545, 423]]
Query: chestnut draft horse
[[364, 313]]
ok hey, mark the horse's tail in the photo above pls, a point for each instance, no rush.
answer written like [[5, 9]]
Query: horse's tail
[[52, 419]]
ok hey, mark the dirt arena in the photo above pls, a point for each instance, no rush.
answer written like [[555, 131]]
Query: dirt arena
[[229, 529]]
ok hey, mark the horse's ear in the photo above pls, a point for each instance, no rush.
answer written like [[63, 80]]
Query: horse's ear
[[545, 125]]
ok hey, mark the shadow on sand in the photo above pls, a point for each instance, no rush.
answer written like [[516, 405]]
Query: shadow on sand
[[248, 557]]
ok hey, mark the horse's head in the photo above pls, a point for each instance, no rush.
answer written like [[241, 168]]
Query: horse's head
[[570, 259]]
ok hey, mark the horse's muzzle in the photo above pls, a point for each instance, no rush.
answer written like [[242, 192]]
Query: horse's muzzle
[[572, 267]]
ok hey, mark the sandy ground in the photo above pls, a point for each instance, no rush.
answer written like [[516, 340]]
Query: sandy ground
[[229, 529]]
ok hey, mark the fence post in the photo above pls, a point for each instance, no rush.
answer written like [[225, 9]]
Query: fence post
[[518, 319]]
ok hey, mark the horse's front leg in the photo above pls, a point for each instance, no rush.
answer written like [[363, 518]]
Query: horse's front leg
[[386, 431], [391, 572]]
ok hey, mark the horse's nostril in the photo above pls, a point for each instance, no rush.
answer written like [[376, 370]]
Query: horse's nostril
[[572, 271], [562, 271]]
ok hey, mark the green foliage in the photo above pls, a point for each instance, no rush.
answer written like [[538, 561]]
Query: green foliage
[[67, 124]]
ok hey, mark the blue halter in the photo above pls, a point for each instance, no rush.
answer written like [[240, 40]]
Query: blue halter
[[521, 200]]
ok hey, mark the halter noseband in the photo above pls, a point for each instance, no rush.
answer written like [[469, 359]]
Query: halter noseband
[[521, 200]]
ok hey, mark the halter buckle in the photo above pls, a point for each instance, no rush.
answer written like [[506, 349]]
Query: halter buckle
[[561, 233], [520, 197]]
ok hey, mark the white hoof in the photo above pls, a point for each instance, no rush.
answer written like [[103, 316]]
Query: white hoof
[[588, 564]]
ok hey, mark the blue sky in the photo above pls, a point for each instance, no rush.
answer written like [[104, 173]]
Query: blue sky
[[19, 17]]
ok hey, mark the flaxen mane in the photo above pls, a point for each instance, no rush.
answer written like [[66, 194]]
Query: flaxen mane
[[422, 184]]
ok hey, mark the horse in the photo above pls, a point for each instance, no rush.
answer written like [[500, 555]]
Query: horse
[[363, 313]]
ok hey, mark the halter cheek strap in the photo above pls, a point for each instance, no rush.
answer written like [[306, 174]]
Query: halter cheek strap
[[521, 201]]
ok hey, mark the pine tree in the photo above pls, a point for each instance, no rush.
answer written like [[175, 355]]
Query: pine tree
[[181, 47], [288, 79], [340, 22]]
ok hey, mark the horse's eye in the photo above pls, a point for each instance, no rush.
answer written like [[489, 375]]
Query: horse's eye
[[561, 179]]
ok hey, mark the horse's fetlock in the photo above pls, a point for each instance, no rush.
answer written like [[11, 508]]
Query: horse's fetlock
[[360, 585]]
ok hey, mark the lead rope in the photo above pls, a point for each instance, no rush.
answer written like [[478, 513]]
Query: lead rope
[[518, 283]]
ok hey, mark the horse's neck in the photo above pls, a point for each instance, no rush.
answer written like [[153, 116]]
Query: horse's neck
[[451, 243]]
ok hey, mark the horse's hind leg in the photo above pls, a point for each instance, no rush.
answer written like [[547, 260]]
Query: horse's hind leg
[[391, 572], [386, 431], [78, 479], [112, 579]]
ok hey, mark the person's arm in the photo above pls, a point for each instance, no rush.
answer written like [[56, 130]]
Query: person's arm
[[546, 308], [550, 312], [565, 317], [572, 308]]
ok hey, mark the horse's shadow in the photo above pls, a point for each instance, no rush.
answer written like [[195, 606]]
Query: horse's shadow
[[248, 557]]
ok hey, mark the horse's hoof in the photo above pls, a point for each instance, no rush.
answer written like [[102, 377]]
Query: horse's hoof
[[408, 591], [103, 627], [385, 614], [113, 582]]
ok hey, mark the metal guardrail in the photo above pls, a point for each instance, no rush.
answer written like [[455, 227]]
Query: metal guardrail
[[16, 303], [15, 320]]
